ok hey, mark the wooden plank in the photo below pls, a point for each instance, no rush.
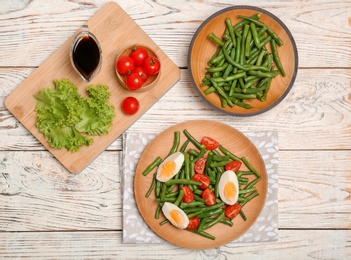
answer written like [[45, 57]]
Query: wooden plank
[[105, 25], [314, 115], [31, 32], [38, 194], [296, 244]]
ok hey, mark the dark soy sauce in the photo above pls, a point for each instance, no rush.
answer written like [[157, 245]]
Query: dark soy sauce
[[86, 56]]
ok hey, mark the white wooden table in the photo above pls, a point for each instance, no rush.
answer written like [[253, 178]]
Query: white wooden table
[[46, 212]]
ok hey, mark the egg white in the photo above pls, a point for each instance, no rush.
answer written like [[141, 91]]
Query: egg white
[[178, 159], [228, 176], [170, 209]]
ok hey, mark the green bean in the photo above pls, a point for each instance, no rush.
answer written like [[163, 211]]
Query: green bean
[[269, 30], [210, 213], [158, 210], [249, 190], [254, 34], [193, 214], [276, 57], [248, 44], [182, 181], [230, 78], [186, 166], [243, 96], [243, 22], [227, 222], [184, 146], [216, 39], [201, 153], [251, 168], [230, 29], [252, 183], [192, 139], [219, 164], [214, 221], [164, 222], [192, 204], [222, 93], [152, 186], [250, 197], [265, 92], [202, 224], [209, 90], [270, 74], [175, 142], [152, 166], [228, 153], [219, 68], [165, 199], [203, 234], [158, 188], [179, 198], [243, 215]]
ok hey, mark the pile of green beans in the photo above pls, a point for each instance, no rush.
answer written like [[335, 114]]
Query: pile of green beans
[[171, 190], [242, 68]]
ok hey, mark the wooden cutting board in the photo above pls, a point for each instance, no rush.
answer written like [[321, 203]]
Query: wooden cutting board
[[116, 31]]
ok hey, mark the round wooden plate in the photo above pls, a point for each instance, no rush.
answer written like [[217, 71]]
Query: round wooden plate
[[231, 139], [202, 48]]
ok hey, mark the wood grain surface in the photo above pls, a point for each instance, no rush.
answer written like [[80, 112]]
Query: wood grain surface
[[48, 213]]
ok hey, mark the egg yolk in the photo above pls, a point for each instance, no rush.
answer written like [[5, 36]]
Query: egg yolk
[[230, 191], [168, 169], [177, 218]]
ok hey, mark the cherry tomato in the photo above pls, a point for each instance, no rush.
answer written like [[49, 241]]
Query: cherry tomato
[[134, 81], [209, 196], [200, 165], [130, 105], [202, 178], [231, 211], [210, 143], [125, 65], [188, 194], [139, 55], [193, 223], [141, 71], [234, 166], [152, 65]]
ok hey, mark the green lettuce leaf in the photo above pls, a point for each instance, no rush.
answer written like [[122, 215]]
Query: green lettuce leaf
[[67, 119]]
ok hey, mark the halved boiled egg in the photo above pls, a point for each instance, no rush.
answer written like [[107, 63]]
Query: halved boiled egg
[[170, 167], [228, 187], [175, 215]]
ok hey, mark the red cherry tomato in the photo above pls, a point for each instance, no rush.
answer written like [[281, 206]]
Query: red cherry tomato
[[130, 105], [210, 143], [141, 71], [209, 196], [139, 55], [231, 211], [202, 178], [234, 166], [193, 223], [134, 81], [188, 194], [125, 65], [200, 165], [152, 65]]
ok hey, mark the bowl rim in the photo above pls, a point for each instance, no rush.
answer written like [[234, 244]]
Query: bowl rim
[[237, 7]]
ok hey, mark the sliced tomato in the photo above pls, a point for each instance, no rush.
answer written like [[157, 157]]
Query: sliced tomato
[[234, 166], [210, 143], [231, 211], [200, 165], [209, 196], [188, 194], [193, 223], [202, 178]]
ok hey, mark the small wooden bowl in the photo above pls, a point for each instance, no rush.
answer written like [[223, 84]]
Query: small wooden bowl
[[151, 81], [202, 48]]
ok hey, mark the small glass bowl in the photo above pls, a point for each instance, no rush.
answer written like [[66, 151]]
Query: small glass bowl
[[151, 81], [86, 54]]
